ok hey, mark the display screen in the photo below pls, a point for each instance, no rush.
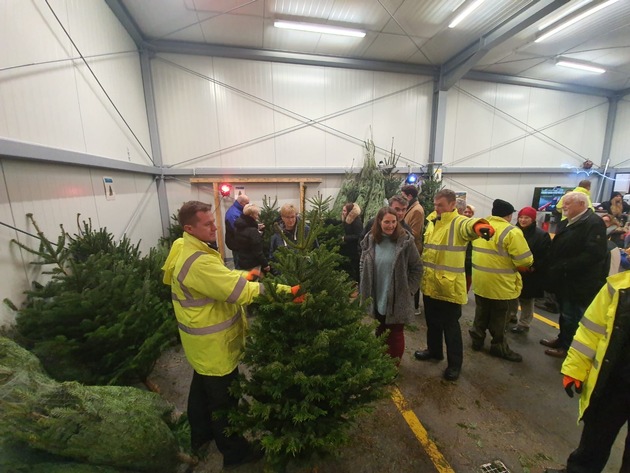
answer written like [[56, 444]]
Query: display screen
[[546, 198]]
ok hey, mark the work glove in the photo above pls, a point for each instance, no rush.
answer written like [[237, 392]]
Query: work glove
[[297, 299], [524, 269], [253, 275], [484, 230], [568, 382]]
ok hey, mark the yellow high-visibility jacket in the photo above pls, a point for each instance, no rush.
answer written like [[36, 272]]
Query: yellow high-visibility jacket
[[445, 241], [591, 352], [208, 299], [494, 262], [582, 190]]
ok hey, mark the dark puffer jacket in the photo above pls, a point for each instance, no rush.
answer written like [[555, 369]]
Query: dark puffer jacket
[[577, 259], [539, 243], [249, 242]]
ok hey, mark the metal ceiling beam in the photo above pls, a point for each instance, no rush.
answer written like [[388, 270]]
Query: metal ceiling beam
[[184, 47], [622, 93], [542, 84], [121, 12], [456, 67], [504, 170]]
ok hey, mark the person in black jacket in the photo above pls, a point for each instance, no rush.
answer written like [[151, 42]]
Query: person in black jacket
[[352, 229], [249, 240], [539, 243], [577, 267]]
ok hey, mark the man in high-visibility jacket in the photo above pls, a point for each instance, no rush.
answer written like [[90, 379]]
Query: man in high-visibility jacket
[[444, 282], [208, 299], [496, 280], [598, 366]]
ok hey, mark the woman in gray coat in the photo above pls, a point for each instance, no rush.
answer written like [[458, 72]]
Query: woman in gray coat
[[390, 275]]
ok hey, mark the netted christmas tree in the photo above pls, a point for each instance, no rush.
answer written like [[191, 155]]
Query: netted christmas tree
[[314, 367]]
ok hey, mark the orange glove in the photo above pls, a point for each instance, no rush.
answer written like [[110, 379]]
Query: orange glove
[[253, 275], [568, 382], [524, 269], [297, 299], [484, 230]]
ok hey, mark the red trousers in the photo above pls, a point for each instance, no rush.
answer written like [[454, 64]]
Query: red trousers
[[396, 338]]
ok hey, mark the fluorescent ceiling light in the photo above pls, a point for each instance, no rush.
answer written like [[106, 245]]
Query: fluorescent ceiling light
[[314, 28], [574, 20], [563, 14], [580, 65], [465, 12]]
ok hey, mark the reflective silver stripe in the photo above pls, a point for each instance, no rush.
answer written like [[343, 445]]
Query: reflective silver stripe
[[451, 233], [494, 270], [596, 364], [212, 328], [485, 250], [192, 302], [504, 233], [184, 272], [524, 255], [443, 267], [586, 351], [445, 247], [593, 327], [237, 291], [611, 289]]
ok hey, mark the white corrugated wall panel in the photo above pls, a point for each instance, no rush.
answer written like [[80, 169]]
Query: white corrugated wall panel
[[58, 103], [620, 147], [491, 125]]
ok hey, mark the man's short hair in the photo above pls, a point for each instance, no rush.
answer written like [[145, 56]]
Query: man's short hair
[[287, 209], [448, 194], [187, 214], [585, 183], [410, 190], [399, 199], [577, 196], [251, 209]]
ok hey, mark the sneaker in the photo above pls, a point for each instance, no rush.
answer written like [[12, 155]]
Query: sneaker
[[519, 329]]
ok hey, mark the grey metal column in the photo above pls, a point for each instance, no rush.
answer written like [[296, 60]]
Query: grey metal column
[[438, 124], [606, 186], [154, 134]]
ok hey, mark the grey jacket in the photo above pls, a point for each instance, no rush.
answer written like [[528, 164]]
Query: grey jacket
[[407, 272]]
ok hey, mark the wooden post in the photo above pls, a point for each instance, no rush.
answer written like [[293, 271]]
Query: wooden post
[[219, 218], [302, 198]]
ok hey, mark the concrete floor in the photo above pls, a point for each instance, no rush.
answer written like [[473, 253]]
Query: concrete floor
[[515, 412], [498, 410]]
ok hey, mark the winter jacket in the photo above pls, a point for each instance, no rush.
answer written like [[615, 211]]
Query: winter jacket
[[292, 235], [234, 212], [249, 242], [577, 259], [600, 352], [414, 217], [208, 298], [539, 243], [494, 262], [406, 275], [352, 229], [445, 240]]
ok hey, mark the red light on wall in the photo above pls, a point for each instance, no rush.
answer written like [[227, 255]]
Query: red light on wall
[[225, 189]]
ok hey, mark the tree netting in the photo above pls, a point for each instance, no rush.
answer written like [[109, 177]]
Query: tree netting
[[51, 426]]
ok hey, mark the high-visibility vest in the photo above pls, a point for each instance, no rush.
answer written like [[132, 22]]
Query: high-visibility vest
[[494, 262], [445, 241], [208, 299]]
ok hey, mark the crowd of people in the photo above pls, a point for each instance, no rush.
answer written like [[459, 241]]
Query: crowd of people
[[403, 255]]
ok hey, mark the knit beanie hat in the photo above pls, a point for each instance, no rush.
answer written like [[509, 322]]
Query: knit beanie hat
[[528, 211], [501, 208]]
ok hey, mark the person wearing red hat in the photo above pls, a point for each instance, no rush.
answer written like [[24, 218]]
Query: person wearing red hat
[[539, 243]]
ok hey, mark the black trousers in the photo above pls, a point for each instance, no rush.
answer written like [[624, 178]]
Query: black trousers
[[207, 396], [603, 419], [443, 321]]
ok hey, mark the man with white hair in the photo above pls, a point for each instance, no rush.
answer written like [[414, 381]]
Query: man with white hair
[[576, 268]]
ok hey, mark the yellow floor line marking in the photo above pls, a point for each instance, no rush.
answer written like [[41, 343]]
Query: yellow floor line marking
[[421, 434], [546, 320]]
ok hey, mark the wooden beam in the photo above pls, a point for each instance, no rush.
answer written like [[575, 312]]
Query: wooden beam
[[211, 180]]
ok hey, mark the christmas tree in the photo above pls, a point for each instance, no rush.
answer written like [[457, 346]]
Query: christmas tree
[[313, 366]]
